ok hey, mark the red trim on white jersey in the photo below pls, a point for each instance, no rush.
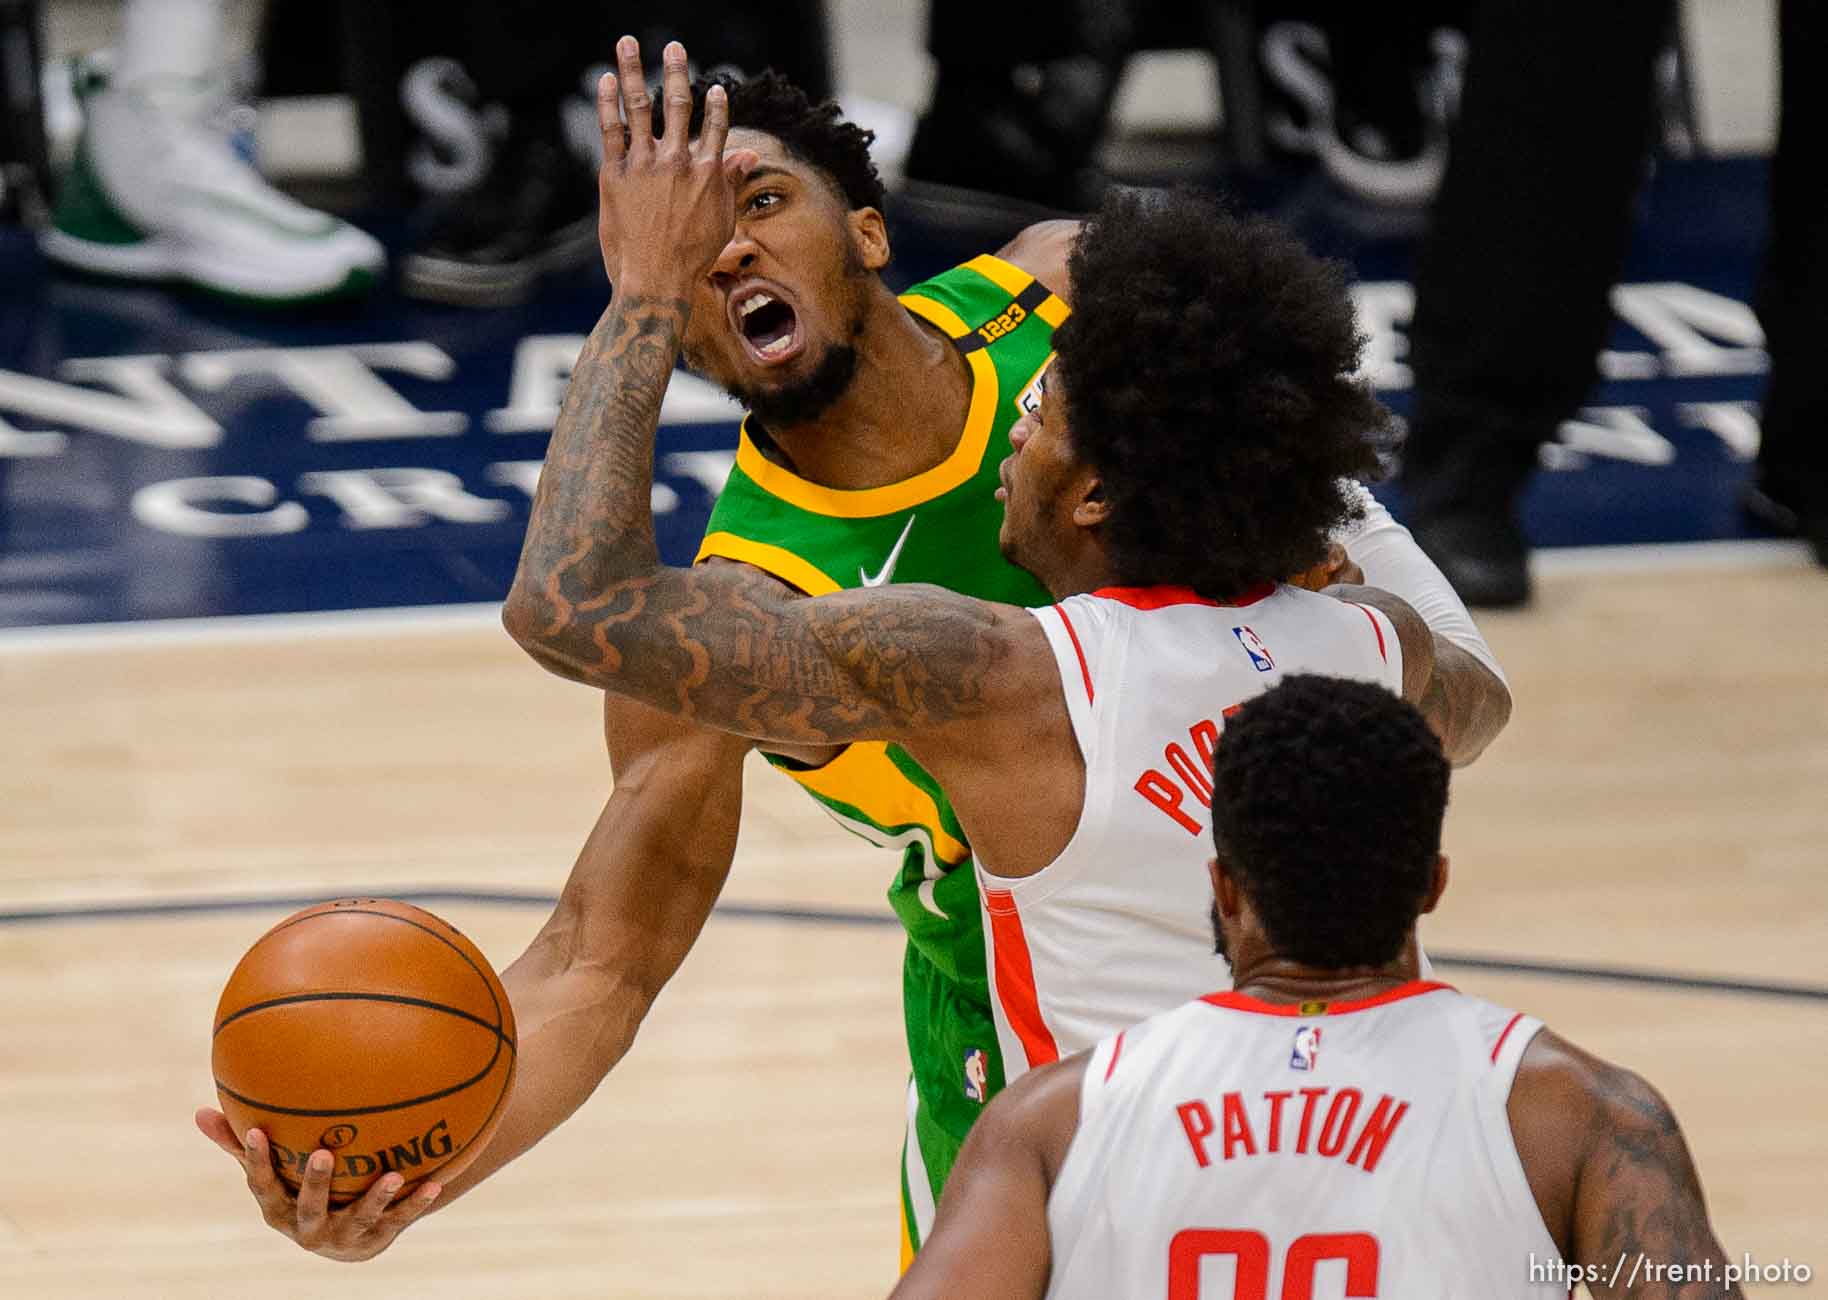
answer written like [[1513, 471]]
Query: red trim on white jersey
[[1015, 978], [1245, 1002], [1116, 1051], [1079, 650], [1376, 627], [1162, 597], [1498, 1046]]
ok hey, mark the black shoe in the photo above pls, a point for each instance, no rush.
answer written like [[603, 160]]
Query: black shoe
[[536, 213], [1786, 514], [1484, 555], [1769, 506]]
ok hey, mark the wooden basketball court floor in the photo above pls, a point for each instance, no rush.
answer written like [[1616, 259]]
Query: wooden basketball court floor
[[1659, 804]]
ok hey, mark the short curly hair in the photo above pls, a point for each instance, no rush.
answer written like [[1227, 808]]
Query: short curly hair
[[1328, 797], [1209, 372], [813, 132]]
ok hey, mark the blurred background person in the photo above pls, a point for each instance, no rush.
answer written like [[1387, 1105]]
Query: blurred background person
[[1021, 96], [158, 190], [463, 116], [534, 210], [1528, 234], [1789, 491], [25, 172], [1385, 141]]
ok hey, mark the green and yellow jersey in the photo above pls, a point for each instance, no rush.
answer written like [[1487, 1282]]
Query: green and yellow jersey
[[939, 526]]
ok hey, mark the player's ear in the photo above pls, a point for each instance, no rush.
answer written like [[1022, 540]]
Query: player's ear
[[1224, 891], [1092, 507], [870, 237], [1438, 886]]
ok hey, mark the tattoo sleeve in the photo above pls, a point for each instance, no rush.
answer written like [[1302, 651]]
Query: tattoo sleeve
[[1641, 1223], [1463, 700], [722, 644], [1464, 703]]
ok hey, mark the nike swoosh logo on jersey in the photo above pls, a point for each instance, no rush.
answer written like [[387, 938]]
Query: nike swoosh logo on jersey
[[888, 566]]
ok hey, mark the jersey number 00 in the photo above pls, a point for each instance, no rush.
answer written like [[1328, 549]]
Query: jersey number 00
[[1251, 1250]]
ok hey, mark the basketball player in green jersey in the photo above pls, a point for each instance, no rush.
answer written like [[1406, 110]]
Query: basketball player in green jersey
[[990, 322], [877, 425]]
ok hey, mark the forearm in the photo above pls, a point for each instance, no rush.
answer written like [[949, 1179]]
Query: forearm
[[583, 987], [1466, 702], [1389, 557], [725, 646], [575, 1024], [1467, 697], [637, 898], [592, 527]]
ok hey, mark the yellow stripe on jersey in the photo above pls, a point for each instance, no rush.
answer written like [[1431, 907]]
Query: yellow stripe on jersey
[[1007, 276], [869, 503], [864, 777], [777, 560], [1012, 280]]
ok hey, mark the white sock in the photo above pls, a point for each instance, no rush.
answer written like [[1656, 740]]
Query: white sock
[[169, 40]]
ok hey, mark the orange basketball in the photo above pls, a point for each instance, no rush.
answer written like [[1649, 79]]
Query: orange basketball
[[370, 1027]]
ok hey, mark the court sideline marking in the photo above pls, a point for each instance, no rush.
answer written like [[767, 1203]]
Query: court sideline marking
[[153, 908], [1672, 557]]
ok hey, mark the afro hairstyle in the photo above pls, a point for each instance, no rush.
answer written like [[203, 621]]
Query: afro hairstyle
[[1209, 369]]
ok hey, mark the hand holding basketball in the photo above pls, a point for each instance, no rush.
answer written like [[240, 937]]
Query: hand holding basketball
[[363, 1051], [358, 1232]]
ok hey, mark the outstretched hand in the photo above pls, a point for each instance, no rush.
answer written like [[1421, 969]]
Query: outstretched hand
[[666, 206], [357, 1232]]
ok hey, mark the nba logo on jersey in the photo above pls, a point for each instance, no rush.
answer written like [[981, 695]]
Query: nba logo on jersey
[[1259, 653], [977, 1074], [1307, 1048]]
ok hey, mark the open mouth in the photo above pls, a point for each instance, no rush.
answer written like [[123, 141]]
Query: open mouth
[[767, 324]]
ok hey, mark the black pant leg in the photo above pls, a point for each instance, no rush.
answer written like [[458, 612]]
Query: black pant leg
[[968, 33], [1379, 56], [1528, 234], [525, 53], [1793, 297]]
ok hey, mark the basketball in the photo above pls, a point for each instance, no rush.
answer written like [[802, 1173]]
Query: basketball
[[370, 1027]]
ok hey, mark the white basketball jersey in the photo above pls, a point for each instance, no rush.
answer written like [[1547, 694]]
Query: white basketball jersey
[[1117, 927], [1232, 1149]]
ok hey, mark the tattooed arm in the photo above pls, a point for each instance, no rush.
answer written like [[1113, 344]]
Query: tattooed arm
[[1468, 701], [1463, 700], [1613, 1177], [1640, 1198], [726, 645]]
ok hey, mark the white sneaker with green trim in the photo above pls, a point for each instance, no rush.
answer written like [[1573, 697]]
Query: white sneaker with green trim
[[157, 193]]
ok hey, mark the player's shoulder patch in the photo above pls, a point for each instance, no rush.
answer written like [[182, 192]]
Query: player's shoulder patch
[[985, 300]]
